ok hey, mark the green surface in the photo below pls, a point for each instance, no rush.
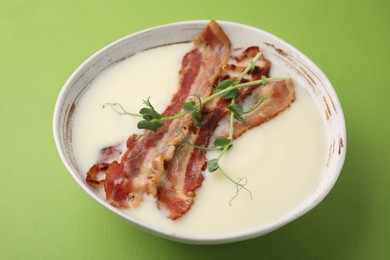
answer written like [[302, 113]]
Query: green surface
[[46, 215]]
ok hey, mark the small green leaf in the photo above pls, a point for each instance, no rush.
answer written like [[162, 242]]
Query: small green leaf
[[149, 113], [197, 119], [153, 124], [237, 111], [229, 94], [145, 111], [212, 165], [189, 107], [226, 84], [222, 141]]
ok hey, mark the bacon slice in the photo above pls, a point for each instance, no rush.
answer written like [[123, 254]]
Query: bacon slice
[[279, 95], [142, 166], [184, 173]]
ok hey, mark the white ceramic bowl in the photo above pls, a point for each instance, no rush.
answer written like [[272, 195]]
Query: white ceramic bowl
[[275, 49]]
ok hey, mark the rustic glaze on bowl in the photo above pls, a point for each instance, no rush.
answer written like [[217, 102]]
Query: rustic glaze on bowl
[[275, 49]]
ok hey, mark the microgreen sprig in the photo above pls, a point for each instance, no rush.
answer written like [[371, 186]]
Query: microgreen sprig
[[153, 120], [213, 165], [236, 112]]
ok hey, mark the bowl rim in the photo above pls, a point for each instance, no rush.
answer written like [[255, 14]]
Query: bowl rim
[[233, 237]]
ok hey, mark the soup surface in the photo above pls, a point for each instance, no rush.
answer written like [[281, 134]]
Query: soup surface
[[281, 159]]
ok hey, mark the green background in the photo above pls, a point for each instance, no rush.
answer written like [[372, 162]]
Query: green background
[[46, 215]]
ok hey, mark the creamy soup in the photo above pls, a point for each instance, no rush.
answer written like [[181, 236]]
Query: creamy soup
[[282, 159]]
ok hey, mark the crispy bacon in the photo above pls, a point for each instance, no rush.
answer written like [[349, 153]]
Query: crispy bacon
[[279, 95], [184, 175], [93, 174], [142, 165]]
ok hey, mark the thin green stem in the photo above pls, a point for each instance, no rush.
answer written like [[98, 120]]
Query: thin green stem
[[231, 125], [123, 112], [251, 66], [261, 100], [241, 85], [239, 185], [174, 117], [259, 81], [205, 148]]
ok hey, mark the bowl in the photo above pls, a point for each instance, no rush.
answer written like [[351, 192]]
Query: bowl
[[278, 51]]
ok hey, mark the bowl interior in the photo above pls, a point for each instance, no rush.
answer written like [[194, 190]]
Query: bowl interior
[[275, 49]]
